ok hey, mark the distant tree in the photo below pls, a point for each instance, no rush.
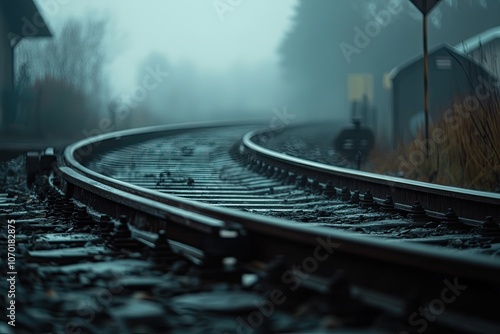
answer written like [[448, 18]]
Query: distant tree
[[74, 60], [316, 56], [157, 103], [23, 81], [169, 99], [61, 108], [457, 20], [239, 91]]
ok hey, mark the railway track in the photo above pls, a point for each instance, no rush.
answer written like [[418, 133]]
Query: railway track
[[340, 259], [196, 166]]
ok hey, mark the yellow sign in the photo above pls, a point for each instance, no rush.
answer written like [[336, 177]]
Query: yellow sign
[[358, 85]]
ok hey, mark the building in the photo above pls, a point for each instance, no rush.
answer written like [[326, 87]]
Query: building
[[18, 19], [452, 75], [485, 49]]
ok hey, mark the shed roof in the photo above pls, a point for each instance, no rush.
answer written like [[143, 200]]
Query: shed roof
[[415, 59], [450, 50], [475, 42], [23, 19]]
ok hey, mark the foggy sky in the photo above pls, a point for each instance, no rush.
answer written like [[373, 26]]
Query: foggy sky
[[186, 31]]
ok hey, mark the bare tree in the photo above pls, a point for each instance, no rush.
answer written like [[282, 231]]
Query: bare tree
[[75, 57]]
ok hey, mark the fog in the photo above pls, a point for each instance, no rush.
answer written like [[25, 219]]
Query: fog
[[221, 56], [164, 61]]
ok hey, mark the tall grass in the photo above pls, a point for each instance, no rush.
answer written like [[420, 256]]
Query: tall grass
[[464, 148]]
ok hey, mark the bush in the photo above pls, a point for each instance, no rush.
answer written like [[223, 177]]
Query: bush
[[63, 108], [464, 149]]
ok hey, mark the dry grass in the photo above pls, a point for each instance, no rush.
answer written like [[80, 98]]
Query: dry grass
[[464, 149]]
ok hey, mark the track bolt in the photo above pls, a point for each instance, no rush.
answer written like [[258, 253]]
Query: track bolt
[[355, 197], [263, 168], [275, 269], [316, 187], [122, 231], [302, 181], [82, 219], [368, 201], [163, 253], [330, 191], [345, 194], [121, 236], [283, 174], [43, 192], [106, 226], [291, 179], [256, 166], [269, 171], [418, 214], [387, 205], [51, 197], [68, 209], [57, 208], [490, 228], [451, 219], [276, 174]]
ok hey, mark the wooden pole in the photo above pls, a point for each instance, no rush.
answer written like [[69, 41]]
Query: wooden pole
[[426, 83]]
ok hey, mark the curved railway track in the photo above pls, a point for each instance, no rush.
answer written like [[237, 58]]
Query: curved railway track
[[209, 193]]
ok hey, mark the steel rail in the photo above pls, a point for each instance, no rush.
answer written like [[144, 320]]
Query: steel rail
[[407, 267], [467, 204]]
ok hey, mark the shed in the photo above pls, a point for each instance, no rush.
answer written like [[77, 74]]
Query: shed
[[452, 75]]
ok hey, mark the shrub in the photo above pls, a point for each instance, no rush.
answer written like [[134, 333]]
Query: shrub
[[464, 149], [63, 108]]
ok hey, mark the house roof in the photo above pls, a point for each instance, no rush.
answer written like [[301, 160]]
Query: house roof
[[23, 19], [475, 42]]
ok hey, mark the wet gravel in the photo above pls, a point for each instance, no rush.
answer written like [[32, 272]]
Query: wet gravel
[[83, 278], [76, 278]]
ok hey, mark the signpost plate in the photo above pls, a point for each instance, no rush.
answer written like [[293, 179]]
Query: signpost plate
[[425, 6]]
